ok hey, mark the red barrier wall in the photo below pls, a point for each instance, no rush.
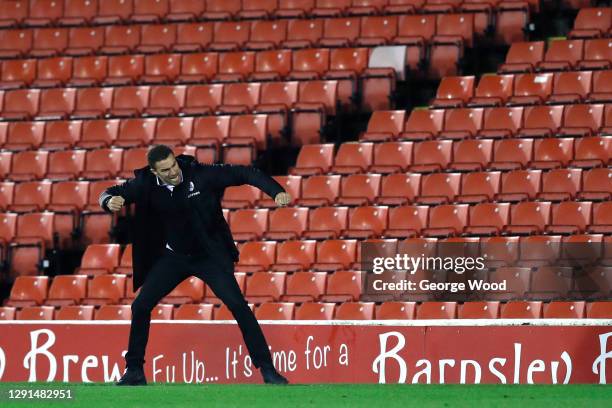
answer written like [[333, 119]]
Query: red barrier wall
[[309, 353]]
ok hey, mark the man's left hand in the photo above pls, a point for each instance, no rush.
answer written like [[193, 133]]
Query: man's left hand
[[282, 199]]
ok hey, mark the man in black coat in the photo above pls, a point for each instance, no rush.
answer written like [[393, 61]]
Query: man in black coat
[[180, 231]]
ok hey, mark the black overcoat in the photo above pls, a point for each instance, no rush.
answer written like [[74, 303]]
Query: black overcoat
[[206, 186]]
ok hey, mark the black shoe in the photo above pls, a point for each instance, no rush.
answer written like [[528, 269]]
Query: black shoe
[[133, 376], [271, 376]]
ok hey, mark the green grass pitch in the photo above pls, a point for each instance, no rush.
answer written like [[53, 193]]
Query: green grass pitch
[[320, 395]]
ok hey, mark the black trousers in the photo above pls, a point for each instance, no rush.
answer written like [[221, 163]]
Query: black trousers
[[170, 270]]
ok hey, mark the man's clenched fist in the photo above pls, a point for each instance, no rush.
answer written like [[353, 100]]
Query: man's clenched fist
[[116, 203], [282, 199]]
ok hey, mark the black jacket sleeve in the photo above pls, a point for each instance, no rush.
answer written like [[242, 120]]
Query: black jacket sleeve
[[127, 190], [226, 175]]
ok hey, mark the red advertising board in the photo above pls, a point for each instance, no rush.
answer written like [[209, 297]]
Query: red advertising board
[[200, 352]]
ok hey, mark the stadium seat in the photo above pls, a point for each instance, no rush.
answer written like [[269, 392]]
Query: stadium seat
[[592, 151], [264, 287], [114, 312], [406, 221], [29, 165], [202, 99], [320, 190], [582, 120], [384, 125], [462, 123], [343, 286], [599, 310], [61, 134], [256, 256], [492, 90], [488, 218], [541, 121], [31, 196], [240, 197], [396, 311], [52, 72], [48, 42], [438, 188], [75, 312], [591, 22], [477, 187], [190, 290], [17, 73], [518, 185], [105, 290], [596, 54], [531, 89], [197, 67], [12, 14], [295, 255], [28, 291], [359, 189], [517, 283], [453, 33], [88, 71], [437, 310], [601, 91], [355, 311], [315, 311], [92, 102], [271, 64], [596, 184], [235, 66], [173, 131], [571, 87], [67, 290], [540, 250], [353, 157], [562, 55], [21, 104], [326, 222], [560, 184], [479, 310], [305, 286], [24, 136], [161, 68], [391, 157], [275, 311], [501, 122], [521, 310], [549, 282], [124, 69], [472, 154], [266, 35], [129, 101], [189, 311], [248, 224], [367, 222], [454, 92], [431, 155], [523, 57], [100, 259], [84, 40], [335, 254], [35, 313], [529, 217], [570, 217], [447, 220], [415, 32], [551, 153], [135, 132], [423, 124], [287, 223], [314, 159], [601, 222]]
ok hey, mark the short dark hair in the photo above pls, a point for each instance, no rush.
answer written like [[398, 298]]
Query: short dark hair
[[158, 153]]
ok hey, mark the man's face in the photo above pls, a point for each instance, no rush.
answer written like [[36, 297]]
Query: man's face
[[168, 170]]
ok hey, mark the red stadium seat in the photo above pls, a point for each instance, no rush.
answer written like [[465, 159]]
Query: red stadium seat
[[596, 54], [591, 22], [453, 33], [406, 221], [221, 10], [437, 310], [447, 219], [305, 286], [523, 57], [135, 132], [355, 311], [353, 157], [391, 157], [291, 184], [541, 121], [396, 311], [320, 190], [488, 218], [493, 90], [560, 184], [121, 39], [531, 89], [540, 250], [53, 72], [202, 99], [398, 189], [62, 134], [571, 87], [35, 313], [454, 92], [124, 69], [314, 159], [12, 13], [462, 123], [602, 91], [521, 310], [551, 153], [592, 151], [333, 255], [100, 259], [367, 222], [511, 154], [275, 311], [415, 32], [29, 165], [173, 131], [599, 310], [529, 217], [582, 120], [31, 195], [549, 282], [194, 312], [384, 125], [248, 224], [21, 104], [89, 71], [161, 68], [359, 189], [67, 290], [28, 291], [479, 310], [423, 124], [105, 290], [80, 312], [256, 256], [501, 122], [287, 223], [326, 222], [343, 286], [469, 155], [562, 55], [16, 43], [601, 218], [84, 40], [264, 287], [315, 311], [565, 310], [437, 188], [431, 155], [295, 255], [166, 100], [114, 312], [596, 184], [48, 42]]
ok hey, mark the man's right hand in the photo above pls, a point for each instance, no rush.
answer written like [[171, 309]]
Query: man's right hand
[[116, 203]]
